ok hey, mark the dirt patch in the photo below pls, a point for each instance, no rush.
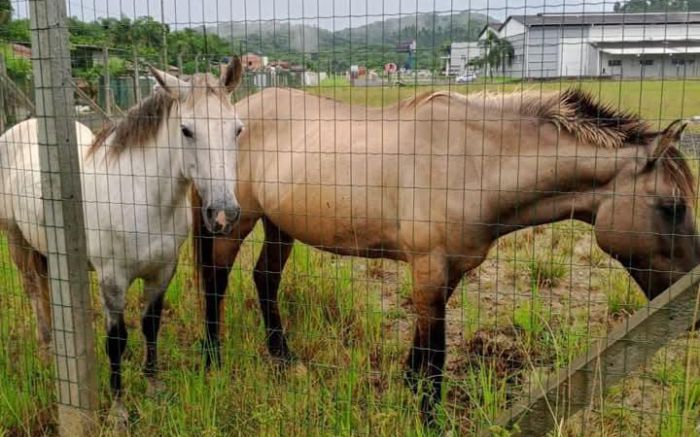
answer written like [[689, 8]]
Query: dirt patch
[[500, 350]]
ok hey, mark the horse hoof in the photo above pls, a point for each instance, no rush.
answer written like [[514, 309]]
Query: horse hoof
[[154, 386], [118, 418]]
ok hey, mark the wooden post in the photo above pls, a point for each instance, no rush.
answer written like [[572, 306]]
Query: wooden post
[[107, 80], [164, 36], [179, 64], [73, 335], [91, 103], [625, 349], [13, 89], [137, 80], [4, 101]]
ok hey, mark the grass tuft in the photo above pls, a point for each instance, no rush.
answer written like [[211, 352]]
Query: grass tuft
[[624, 295]]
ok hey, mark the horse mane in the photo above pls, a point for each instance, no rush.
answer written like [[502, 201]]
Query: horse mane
[[580, 114], [138, 127], [598, 123], [143, 120], [678, 172]]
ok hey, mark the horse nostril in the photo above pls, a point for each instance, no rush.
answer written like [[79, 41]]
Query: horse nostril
[[209, 215], [235, 215]]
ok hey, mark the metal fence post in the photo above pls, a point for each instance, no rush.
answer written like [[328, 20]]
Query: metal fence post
[[74, 348]]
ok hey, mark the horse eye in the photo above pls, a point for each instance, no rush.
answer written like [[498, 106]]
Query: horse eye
[[673, 210], [239, 131], [187, 132]]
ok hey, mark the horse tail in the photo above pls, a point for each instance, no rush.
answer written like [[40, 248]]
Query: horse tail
[[34, 271]]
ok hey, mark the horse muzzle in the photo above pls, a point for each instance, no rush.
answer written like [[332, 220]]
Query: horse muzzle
[[219, 219]]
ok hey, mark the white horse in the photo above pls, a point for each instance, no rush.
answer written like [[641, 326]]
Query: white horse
[[136, 178]]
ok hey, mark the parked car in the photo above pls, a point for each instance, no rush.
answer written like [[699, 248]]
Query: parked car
[[467, 77]]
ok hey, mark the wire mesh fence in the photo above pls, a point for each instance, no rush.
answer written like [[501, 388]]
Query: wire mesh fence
[[335, 218]]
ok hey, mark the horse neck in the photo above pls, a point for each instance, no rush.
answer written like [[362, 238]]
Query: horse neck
[[160, 162], [562, 180]]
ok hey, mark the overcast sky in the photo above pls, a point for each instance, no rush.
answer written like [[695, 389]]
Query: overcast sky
[[329, 14]]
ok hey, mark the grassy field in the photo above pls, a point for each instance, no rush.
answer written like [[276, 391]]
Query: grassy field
[[656, 100], [542, 296]]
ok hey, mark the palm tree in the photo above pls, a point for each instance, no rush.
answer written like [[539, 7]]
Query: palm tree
[[498, 53]]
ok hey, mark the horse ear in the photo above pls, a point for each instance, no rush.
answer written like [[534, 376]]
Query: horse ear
[[174, 86], [232, 74], [669, 137]]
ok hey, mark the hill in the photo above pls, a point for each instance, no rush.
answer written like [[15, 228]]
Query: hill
[[372, 44]]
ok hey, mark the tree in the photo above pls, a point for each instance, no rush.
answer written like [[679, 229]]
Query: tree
[[5, 12], [498, 53], [16, 31]]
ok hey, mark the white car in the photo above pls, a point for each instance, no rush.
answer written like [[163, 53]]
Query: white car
[[467, 77]]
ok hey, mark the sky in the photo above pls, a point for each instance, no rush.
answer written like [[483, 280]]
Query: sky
[[329, 14]]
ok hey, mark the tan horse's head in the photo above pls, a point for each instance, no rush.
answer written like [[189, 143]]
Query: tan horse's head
[[648, 222], [208, 129]]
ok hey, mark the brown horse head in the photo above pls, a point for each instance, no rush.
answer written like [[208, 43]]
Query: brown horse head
[[647, 222]]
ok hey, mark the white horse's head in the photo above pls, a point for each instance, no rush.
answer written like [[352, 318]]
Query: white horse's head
[[206, 127]]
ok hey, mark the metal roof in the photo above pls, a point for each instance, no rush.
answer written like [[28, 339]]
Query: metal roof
[[493, 25], [574, 19], [650, 50]]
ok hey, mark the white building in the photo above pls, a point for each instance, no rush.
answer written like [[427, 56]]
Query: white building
[[604, 44], [461, 53]]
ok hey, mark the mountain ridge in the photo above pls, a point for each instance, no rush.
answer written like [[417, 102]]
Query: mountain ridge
[[429, 29]]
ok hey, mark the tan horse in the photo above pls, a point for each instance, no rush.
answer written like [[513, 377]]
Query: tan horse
[[435, 181]]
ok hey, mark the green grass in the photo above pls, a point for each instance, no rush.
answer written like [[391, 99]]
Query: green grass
[[547, 271], [334, 82], [624, 295], [549, 290]]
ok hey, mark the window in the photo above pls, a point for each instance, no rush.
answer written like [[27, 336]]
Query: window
[[678, 61], [614, 62], [646, 62]]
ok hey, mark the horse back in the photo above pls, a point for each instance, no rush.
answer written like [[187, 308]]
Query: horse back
[[350, 179], [20, 180]]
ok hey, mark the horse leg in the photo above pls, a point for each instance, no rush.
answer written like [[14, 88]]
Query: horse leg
[[216, 257], [43, 305], [432, 287], [34, 271], [154, 291], [267, 276], [113, 292]]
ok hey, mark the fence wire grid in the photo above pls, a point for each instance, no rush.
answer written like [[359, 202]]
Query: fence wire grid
[[349, 218]]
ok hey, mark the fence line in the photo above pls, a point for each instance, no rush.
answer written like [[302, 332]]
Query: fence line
[[610, 359], [346, 376]]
